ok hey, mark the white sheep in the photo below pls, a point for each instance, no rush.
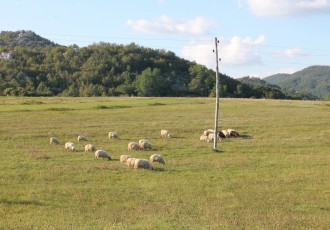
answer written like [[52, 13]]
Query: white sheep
[[123, 158], [90, 148], [130, 162], [133, 146], [145, 144], [157, 158], [165, 134], [211, 137], [70, 146], [102, 154], [208, 131], [233, 133], [204, 138], [54, 140], [113, 135], [143, 163], [82, 138]]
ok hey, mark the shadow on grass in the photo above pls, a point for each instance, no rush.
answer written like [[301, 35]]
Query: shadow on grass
[[246, 136], [21, 202]]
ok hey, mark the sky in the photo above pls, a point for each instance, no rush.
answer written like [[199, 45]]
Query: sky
[[256, 38]]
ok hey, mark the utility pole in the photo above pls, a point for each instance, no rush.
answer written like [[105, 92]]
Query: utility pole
[[217, 97]]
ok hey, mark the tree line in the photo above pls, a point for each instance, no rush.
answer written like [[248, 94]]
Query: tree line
[[106, 69]]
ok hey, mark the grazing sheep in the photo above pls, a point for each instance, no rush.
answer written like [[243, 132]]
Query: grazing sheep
[[70, 146], [102, 153], [142, 140], [157, 158], [223, 134], [143, 163], [54, 140], [133, 146], [233, 133], [123, 158], [130, 162], [113, 135], [90, 148], [82, 138], [144, 144], [165, 134]]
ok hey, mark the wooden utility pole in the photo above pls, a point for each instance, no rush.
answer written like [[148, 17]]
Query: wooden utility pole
[[217, 97]]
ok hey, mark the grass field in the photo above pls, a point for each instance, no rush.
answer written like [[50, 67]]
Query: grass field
[[277, 176]]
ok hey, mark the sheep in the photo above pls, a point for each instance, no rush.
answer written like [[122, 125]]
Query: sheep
[[211, 137], [144, 144], [143, 163], [102, 153], [130, 162], [207, 132], [90, 148], [165, 134], [70, 146], [113, 135], [82, 138], [204, 138], [157, 158], [233, 133], [133, 146], [124, 158], [223, 134], [54, 140]]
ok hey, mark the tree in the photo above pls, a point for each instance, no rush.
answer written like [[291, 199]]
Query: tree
[[151, 83]]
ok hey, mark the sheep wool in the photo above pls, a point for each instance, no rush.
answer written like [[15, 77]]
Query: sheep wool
[[54, 140], [113, 135], [124, 158], [90, 148], [102, 154], [132, 146], [143, 163], [144, 144], [204, 138], [157, 158], [208, 131], [130, 162], [82, 138], [165, 134], [233, 133], [70, 146], [223, 133]]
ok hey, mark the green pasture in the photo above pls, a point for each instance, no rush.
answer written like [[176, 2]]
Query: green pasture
[[276, 176]]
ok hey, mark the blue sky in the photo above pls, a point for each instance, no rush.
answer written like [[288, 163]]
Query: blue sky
[[256, 37]]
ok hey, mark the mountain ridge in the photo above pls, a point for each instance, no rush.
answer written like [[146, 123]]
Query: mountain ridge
[[313, 81]]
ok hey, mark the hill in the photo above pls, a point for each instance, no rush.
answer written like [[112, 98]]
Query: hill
[[312, 82], [276, 78], [31, 65], [34, 66], [23, 38], [262, 88]]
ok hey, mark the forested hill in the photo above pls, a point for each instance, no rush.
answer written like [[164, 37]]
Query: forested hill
[[311, 83], [33, 66], [23, 38]]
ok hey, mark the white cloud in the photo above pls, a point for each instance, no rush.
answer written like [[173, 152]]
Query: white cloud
[[290, 53], [287, 7], [235, 52], [166, 24]]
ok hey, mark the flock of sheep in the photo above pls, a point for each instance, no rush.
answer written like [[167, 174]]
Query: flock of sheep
[[143, 144], [130, 161], [209, 136]]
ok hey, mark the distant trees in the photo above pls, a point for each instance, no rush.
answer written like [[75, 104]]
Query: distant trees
[[42, 68]]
